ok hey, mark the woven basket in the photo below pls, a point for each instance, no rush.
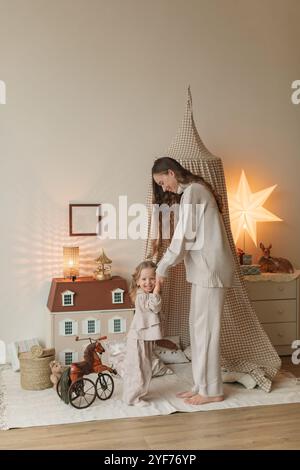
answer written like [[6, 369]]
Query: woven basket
[[35, 372], [38, 351]]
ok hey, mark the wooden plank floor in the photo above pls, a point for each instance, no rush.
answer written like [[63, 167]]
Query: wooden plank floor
[[262, 427]]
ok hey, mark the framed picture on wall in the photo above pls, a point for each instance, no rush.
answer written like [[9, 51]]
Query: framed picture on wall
[[83, 219]]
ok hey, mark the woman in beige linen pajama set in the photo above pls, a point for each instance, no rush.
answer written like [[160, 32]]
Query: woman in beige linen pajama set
[[200, 240]]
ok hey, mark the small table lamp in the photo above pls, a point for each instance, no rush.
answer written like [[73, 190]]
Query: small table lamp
[[71, 261]]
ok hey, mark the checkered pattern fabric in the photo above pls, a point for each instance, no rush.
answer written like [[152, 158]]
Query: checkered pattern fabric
[[245, 347]]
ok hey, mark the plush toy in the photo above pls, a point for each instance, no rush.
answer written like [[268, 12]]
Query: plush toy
[[56, 372], [269, 264], [166, 343]]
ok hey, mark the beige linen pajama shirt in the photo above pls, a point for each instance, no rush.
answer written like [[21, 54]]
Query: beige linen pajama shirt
[[144, 330]]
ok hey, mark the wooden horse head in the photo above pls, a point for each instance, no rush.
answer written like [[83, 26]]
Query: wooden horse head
[[94, 346]]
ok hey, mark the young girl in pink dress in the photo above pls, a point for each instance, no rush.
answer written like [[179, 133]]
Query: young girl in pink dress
[[144, 330]]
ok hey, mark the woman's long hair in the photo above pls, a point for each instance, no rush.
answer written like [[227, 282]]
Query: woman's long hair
[[183, 176], [136, 275]]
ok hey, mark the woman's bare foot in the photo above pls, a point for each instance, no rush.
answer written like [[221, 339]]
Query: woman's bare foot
[[185, 394], [202, 400]]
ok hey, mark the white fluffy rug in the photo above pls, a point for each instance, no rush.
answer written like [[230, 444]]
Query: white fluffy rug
[[39, 408]]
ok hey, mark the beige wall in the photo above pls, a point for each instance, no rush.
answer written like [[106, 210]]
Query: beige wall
[[96, 89]]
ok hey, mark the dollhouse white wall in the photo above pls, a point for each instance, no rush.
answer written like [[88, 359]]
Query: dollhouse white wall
[[96, 90], [65, 326]]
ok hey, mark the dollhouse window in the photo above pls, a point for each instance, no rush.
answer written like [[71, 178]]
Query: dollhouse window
[[67, 298], [68, 327], [90, 326], [117, 325], [67, 356], [117, 296]]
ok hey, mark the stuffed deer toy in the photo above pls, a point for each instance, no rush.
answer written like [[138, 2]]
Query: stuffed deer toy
[[268, 264]]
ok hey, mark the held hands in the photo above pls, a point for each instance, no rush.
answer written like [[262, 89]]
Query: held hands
[[156, 289], [158, 284]]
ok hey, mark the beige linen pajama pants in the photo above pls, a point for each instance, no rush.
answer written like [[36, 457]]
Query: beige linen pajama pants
[[137, 371], [207, 305]]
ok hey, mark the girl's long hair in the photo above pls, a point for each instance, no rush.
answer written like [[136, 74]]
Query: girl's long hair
[[184, 176], [136, 275]]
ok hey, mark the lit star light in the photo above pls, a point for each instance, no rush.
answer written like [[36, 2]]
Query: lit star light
[[246, 209]]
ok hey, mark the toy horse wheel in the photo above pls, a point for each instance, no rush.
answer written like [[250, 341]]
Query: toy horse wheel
[[58, 387], [104, 386], [82, 393]]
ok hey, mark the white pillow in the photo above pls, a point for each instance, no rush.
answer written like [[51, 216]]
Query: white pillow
[[171, 356], [16, 347], [159, 368], [114, 348], [245, 379], [188, 352], [117, 352]]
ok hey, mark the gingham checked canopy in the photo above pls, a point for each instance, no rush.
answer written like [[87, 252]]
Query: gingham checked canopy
[[245, 347]]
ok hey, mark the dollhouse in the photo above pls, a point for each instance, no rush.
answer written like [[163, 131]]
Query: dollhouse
[[87, 307]]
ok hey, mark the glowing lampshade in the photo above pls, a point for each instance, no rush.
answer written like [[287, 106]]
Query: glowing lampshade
[[246, 209], [71, 261]]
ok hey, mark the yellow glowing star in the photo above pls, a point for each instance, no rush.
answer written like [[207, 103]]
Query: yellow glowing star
[[246, 209]]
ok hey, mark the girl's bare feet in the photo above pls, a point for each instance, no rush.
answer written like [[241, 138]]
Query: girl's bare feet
[[185, 394], [202, 400], [141, 403]]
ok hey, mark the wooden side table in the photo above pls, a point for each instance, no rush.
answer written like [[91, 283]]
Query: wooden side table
[[275, 298]]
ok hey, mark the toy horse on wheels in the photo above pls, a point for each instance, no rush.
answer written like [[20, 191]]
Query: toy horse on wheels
[[80, 391]]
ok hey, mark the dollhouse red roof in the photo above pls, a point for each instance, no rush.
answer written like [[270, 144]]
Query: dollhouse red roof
[[89, 294]]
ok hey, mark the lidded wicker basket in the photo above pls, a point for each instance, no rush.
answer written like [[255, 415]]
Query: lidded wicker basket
[[35, 371]]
